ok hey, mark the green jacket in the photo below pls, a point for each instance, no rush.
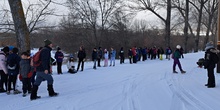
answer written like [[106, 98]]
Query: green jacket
[[177, 54]]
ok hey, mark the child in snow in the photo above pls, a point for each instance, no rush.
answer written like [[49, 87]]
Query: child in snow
[[94, 57], [112, 56], [176, 56], [106, 58], [25, 69], [13, 60], [71, 65]]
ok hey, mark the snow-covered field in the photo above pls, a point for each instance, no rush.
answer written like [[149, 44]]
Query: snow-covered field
[[148, 85]]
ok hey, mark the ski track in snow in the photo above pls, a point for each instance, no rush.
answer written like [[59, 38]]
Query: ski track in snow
[[183, 95]]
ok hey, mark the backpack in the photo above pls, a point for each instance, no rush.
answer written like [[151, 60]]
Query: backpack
[[36, 59], [215, 58], [12, 64]]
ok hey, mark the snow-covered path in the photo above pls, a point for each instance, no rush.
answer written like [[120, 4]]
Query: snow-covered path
[[148, 85]]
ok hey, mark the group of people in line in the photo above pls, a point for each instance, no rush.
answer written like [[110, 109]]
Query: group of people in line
[[12, 65], [134, 54]]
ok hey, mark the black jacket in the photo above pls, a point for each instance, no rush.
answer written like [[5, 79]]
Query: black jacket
[[81, 54], [45, 57], [210, 58], [94, 55]]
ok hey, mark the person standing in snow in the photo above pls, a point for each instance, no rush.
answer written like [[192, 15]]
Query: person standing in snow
[[106, 58], [121, 55], [25, 69], [13, 70], [176, 56], [100, 55], [134, 53], [59, 59], [168, 52], [130, 55], [43, 71], [3, 70], [112, 56], [94, 57], [81, 58], [211, 58]]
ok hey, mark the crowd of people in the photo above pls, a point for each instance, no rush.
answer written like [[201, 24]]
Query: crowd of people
[[13, 66]]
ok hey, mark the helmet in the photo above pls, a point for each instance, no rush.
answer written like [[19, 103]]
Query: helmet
[[178, 46]]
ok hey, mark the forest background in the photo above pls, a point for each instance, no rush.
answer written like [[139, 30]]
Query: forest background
[[112, 23]]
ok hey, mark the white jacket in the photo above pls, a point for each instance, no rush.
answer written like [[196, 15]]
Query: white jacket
[[3, 60], [70, 65]]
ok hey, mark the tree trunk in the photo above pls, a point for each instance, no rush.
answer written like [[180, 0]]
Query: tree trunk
[[208, 31], [167, 36], [22, 33], [186, 27], [198, 29]]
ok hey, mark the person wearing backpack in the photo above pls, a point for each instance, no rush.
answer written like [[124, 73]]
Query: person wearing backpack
[[43, 71], [13, 60], [211, 59]]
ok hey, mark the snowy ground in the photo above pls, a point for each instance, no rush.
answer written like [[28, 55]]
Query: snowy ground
[[148, 85]]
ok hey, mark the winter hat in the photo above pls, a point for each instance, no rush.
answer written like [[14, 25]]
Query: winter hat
[[209, 45], [47, 42], [11, 48], [58, 48], [5, 49], [178, 46]]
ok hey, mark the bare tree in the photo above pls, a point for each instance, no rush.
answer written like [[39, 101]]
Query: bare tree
[[96, 14], [183, 9], [153, 6], [198, 6], [37, 13], [211, 8]]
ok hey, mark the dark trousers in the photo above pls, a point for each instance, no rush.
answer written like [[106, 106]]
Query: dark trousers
[[134, 59], [144, 57], [176, 62], [12, 79], [211, 77], [26, 85], [33, 78], [130, 60], [4, 80], [82, 66], [99, 60], [122, 59], [59, 67]]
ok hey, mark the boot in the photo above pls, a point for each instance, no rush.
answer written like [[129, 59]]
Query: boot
[[51, 91], [183, 71], [34, 93], [175, 71]]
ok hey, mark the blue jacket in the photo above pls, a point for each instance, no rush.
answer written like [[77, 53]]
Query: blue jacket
[[113, 54], [13, 60]]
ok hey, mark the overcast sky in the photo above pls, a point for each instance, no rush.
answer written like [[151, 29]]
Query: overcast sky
[[61, 10]]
